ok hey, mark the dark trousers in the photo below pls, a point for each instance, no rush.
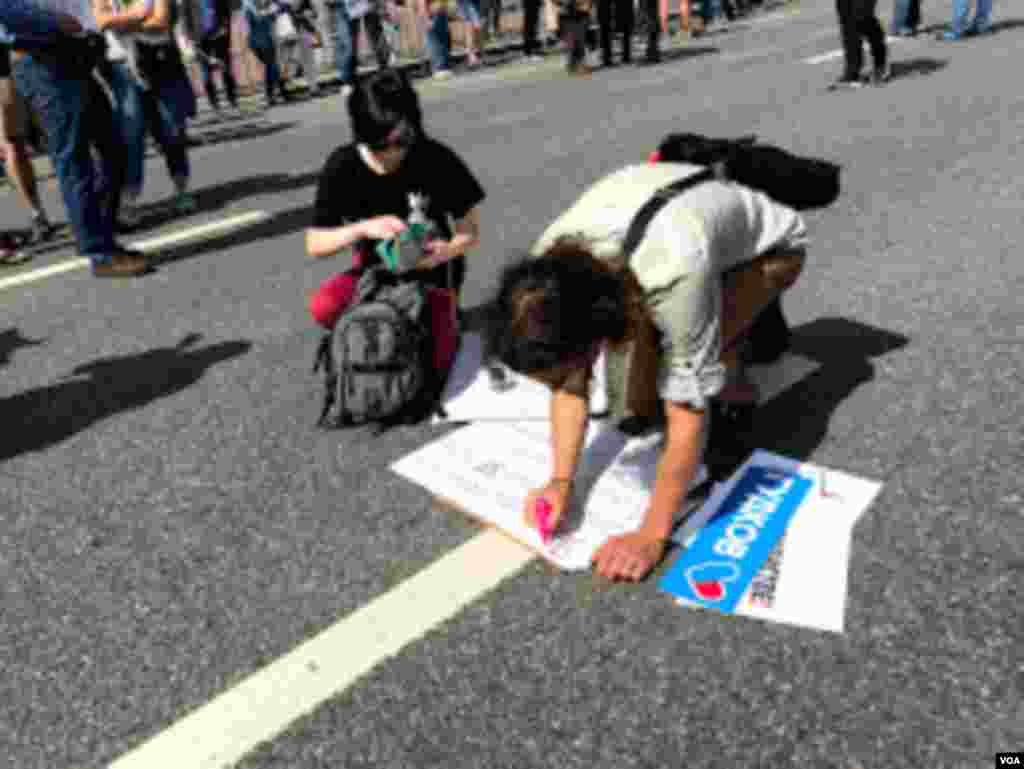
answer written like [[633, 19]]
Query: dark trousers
[[623, 25], [531, 20], [857, 21], [649, 8], [218, 49], [375, 35], [77, 119]]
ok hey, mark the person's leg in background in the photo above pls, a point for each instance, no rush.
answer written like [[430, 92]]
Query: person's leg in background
[[374, 29], [959, 26], [901, 25], [853, 53], [344, 52], [982, 23], [131, 122], [470, 12], [439, 43], [311, 71], [625, 22], [871, 28], [653, 53], [101, 134], [219, 48], [531, 19], [206, 68], [15, 125], [604, 22], [59, 98], [166, 129]]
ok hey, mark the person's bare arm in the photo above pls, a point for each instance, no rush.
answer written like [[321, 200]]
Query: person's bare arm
[[676, 468], [128, 20], [328, 241]]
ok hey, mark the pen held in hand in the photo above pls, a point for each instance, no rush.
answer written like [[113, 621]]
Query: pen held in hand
[[542, 514]]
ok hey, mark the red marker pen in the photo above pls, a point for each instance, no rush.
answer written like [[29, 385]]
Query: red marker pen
[[542, 512]]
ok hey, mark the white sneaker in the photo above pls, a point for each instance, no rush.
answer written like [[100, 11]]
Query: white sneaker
[[442, 74], [346, 91]]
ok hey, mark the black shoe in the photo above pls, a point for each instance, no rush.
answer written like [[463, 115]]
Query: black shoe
[[652, 57], [41, 230], [882, 75]]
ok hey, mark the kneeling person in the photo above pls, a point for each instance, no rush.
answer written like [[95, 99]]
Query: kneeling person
[[669, 316]]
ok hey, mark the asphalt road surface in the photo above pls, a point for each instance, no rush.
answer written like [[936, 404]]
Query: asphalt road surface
[[171, 522]]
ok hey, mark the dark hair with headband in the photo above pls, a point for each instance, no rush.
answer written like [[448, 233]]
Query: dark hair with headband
[[381, 102], [550, 312]]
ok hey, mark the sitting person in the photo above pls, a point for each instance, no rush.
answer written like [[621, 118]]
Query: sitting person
[[670, 315], [369, 189]]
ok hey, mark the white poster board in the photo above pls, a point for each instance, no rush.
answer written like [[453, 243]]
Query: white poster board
[[804, 580], [487, 468], [473, 394]]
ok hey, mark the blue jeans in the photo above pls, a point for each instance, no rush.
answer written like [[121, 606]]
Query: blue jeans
[[906, 16], [344, 48], [439, 42], [962, 9], [76, 118], [136, 110]]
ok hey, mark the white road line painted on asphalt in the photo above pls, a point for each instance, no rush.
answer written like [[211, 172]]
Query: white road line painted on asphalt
[[174, 238], [220, 733], [836, 54]]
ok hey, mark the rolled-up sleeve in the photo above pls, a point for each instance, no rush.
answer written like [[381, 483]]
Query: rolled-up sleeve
[[688, 315]]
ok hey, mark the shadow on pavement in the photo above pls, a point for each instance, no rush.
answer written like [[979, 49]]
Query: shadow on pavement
[[11, 340], [218, 196], [796, 422], [910, 67], [281, 223], [42, 417], [230, 132]]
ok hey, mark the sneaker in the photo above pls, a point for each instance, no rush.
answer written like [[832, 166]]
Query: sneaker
[[846, 83], [41, 230], [534, 58], [882, 75], [129, 216], [184, 203], [346, 90], [122, 263], [948, 36], [442, 74]]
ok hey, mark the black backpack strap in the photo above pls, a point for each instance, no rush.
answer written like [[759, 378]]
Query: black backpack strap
[[325, 360], [642, 218]]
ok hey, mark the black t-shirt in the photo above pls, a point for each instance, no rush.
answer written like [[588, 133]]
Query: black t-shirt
[[5, 61], [349, 191]]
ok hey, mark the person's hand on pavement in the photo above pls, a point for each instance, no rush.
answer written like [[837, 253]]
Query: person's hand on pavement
[[629, 556]]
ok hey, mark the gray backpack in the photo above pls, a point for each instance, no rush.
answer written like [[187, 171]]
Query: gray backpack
[[377, 359]]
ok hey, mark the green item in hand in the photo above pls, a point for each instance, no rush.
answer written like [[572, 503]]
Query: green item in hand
[[390, 251]]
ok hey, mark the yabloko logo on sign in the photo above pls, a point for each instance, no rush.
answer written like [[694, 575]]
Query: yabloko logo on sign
[[716, 569]]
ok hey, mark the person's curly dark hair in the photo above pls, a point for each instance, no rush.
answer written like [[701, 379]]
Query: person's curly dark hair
[[555, 308]]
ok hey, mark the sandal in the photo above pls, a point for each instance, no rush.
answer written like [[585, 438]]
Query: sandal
[[12, 252]]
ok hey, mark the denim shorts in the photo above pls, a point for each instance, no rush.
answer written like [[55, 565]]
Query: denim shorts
[[469, 10]]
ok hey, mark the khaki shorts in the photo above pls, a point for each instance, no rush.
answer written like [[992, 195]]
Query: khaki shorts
[[14, 117]]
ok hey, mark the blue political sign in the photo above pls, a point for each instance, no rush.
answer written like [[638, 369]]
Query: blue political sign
[[717, 567]]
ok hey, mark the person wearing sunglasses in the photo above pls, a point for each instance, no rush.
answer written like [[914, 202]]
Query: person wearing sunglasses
[[369, 189], [670, 305]]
